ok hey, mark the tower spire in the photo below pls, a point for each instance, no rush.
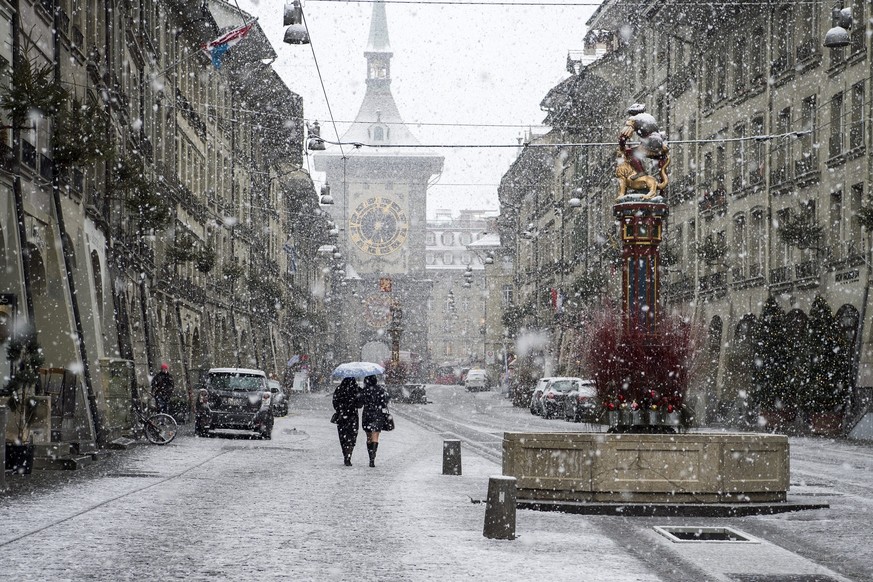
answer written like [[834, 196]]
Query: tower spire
[[378, 51], [379, 30]]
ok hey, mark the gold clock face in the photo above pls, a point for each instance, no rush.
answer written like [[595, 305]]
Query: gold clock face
[[378, 226]]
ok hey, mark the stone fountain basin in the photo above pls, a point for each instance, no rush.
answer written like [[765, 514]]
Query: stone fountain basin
[[648, 468]]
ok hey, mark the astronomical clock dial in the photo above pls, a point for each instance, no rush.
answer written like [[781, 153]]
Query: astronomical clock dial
[[377, 310], [378, 226]]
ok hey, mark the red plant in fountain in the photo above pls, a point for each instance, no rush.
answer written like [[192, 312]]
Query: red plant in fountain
[[636, 370]]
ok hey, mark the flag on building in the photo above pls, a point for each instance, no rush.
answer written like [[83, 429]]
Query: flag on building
[[215, 49]]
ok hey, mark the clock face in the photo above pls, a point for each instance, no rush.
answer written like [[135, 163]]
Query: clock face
[[378, 226]]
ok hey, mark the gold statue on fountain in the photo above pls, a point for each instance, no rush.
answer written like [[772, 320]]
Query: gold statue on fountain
[[632, 175]]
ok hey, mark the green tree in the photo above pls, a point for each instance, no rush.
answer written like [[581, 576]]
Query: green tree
[[827, 369], [79, 135], [26, 358], [32, 88], [772, 369], [149, 208]]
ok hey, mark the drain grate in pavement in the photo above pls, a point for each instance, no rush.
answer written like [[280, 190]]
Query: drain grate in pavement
[[697, 534], [781, 578]]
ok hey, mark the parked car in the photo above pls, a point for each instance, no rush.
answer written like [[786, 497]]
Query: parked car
[[552, 400], [477, 380], [536, 402], [445, 375], [408, 393], [234, 398], [279, 398], [581, 403]]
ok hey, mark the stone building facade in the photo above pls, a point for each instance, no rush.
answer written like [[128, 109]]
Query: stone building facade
[[189, 237], [456, 325], [768, 129]]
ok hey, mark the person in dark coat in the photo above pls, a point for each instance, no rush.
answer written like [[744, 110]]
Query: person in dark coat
[[374, 417], [162, 389], [345, 403]]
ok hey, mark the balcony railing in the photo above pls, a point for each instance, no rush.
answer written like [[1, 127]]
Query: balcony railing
[[713, 282], [806, 165], [756, 270], [713, 201], [780, 275], [806, 270]]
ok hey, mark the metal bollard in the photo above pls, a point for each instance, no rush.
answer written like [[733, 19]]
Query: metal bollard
[[500, 508], [2, 448], [451, 457]]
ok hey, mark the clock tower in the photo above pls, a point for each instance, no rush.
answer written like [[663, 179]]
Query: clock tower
[[380, 193]]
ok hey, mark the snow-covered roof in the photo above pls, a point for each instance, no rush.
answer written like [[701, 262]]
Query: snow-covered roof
[[489, 241]]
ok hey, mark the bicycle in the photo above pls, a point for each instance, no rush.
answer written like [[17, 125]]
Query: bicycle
[[159, 428]]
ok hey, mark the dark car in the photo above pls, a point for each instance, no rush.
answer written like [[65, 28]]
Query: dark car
[[280, 399], [234, 398], [552, 400], [536, 398], [581, 403]]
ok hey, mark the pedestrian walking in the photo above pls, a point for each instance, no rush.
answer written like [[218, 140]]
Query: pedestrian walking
[[346, 401], [162, 389], [375, 416]]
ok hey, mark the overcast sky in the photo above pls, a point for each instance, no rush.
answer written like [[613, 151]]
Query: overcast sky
[[468, 65]]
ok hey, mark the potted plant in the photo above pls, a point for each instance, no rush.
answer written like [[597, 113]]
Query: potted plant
[[827, 371], [26, 357]]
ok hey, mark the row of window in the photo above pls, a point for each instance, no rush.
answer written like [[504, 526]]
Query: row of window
[[745, 250], [741, 163], [448, 238], [449, 258]]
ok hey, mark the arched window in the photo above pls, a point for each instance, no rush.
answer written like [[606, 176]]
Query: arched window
[[448, 258], [448, 238], [378, 134], [430, 239]]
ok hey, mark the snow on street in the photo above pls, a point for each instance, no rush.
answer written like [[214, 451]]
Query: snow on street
[[238, 509]]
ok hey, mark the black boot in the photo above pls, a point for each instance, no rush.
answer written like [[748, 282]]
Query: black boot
[[347, 456], [371, 450]]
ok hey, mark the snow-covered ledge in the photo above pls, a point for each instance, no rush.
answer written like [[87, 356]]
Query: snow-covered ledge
[[648, 468]]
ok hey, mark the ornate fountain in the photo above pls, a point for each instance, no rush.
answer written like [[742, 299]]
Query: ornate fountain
[[643, 461]]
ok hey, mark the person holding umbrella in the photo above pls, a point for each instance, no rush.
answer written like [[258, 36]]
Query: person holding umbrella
[[346, 404], [375, 416]]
